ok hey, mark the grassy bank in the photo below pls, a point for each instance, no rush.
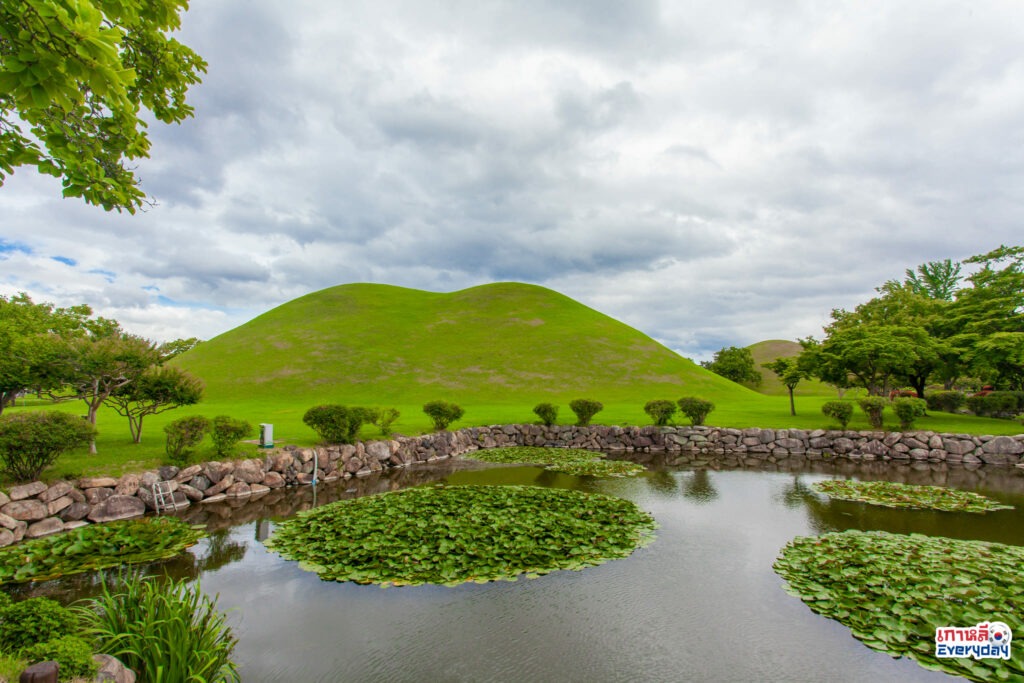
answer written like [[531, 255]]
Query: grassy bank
[[117, 453]]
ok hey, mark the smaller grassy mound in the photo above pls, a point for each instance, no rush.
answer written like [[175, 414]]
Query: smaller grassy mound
[[893, 591], [96, 546], [566, 460], [893, 495], [451, 535]]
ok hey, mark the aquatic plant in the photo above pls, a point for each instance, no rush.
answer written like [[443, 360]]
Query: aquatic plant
[[567, 460], [893, 591], [166, 631], [894, 495], [96, 546], [451, 535]]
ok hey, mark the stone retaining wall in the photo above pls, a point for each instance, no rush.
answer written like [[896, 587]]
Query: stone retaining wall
[[39, 509]]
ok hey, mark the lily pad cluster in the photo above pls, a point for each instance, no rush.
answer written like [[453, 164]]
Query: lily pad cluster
[[574, 461], [96, 546], [451, 535], [894, 495], [892, 591]]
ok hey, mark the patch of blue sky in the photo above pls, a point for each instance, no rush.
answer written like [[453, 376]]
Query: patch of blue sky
[[65, 260], [107, 275], [7, 247]]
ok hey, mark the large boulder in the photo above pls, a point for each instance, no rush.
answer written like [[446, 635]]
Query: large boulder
[[46, 527], [27, 490], [26, 510], [97, 482], [57, 490], [128, 485], [117, 507], [249, 471]]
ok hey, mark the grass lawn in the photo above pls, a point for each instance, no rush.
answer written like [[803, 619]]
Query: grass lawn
[[117, 454]]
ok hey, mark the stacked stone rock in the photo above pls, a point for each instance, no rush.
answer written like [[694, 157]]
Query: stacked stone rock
[[38, 509]]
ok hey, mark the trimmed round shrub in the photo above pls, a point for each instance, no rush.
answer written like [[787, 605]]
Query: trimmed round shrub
[[442, 413], [31, 442], [336, 423], [1002, 404], [908, 409], [873, 407], [945, 401], [841, 411], [36, 620], [585, 409], [660, 411], [72, 654], [547, 412], [697, 409], [183, 435], [227, 432]]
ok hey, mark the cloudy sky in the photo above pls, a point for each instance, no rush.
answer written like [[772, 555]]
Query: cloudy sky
[[712, 173]]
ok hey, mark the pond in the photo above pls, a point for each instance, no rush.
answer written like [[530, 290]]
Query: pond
[[700, 603]]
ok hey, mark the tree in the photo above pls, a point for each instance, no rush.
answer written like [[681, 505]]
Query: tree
[[999, 360], [157, 390], [31, 441], [935, 279], [94, 367], [169, 350], [75, 76], [788, 370], [29, 336], [735, 364]]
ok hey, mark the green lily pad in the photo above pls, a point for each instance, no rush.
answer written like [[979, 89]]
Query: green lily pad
[[96, 546], [893, 495], [452, 535], [566, 460], [892, 591]]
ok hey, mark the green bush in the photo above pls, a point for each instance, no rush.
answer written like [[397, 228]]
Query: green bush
[[547, 412], [163, 630], [442, 413], [227, 432], [1001, 404], [873, 407], [336, 423], [36, 620], [908, 410], [660, 411], [945, 401], [840, 411], [384, 418], [31, 442], [183, 435], [72, 654], [697, 409], [585, 409]]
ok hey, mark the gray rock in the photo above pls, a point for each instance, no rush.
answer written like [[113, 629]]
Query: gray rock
[[215, 499], [190, 492], [7, 522], [19, 531], [216, 471], [6, 537], [98, 495], [46, 527], [97, 482], [75, 512], [1002, 445], [112, 670], [238, 490], [168, 472], [54, 507], [128, 485], [187, 474], [380, 451], [200, 482], [4, 499], [249, 471], [57, 490], [221, 486], [27, 490], [273, 480], [26, 510], [117, 507], [147, 480]]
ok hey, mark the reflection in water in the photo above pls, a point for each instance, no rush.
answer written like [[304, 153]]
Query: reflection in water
[[697, 487], [671, 611]]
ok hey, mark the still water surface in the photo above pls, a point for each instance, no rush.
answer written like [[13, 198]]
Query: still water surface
[[700, 603]]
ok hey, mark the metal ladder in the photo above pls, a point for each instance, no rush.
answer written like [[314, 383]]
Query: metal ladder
[[163, 497]]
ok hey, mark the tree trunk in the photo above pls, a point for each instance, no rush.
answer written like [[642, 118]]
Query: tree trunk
[[792, 405]]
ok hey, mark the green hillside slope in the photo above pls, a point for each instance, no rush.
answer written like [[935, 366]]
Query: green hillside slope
[[766, 352], [493, 344]]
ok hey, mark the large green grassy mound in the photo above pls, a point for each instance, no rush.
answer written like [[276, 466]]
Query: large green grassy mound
[[766, 352], [494, 344]]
